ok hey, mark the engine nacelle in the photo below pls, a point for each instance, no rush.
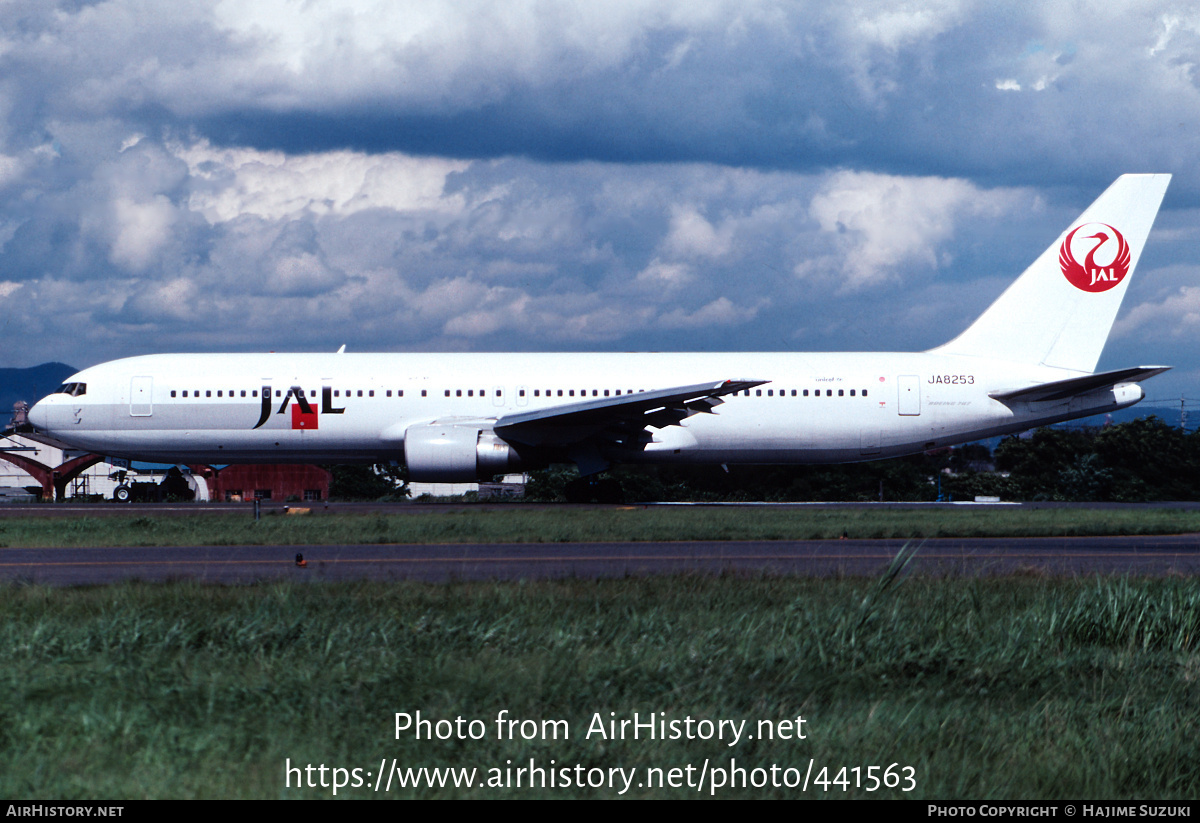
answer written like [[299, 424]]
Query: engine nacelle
[[455, 454]]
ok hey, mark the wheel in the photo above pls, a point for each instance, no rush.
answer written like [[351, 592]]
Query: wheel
[[122, 493]]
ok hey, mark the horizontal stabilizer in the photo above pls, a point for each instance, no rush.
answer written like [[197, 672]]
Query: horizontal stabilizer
[[1063, 389]]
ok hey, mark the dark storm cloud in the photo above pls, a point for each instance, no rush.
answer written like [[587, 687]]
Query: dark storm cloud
[[989, 93], [996, 94]]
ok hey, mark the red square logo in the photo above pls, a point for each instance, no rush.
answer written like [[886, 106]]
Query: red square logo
[[300, 420]]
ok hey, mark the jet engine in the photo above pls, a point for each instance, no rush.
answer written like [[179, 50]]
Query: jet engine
[[437, 453]]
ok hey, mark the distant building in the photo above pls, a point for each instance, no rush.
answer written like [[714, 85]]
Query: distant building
[[27, 467], [279, 483], [510, 486]]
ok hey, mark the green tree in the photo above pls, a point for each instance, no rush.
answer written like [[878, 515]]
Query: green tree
[[359, 482], [1151, 460], [1035, 462]]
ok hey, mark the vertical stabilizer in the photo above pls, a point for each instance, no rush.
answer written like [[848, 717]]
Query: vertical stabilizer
[[1060, 310]]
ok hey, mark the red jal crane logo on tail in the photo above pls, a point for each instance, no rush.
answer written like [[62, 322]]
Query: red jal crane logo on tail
[[1091, 275]]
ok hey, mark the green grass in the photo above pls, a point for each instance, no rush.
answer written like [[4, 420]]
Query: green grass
[[506, 524], [1004, 688]]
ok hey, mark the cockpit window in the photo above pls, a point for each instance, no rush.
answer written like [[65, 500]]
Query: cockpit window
[[73, 389]]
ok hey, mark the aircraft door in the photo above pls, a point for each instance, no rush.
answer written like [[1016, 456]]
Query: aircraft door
[[141, 390], [868, 442], [910, 394]]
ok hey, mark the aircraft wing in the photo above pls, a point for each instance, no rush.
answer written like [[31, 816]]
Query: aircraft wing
[[1063, 389], [620, 417]]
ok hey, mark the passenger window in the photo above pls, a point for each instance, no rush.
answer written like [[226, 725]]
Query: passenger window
[[852, 392], [172, 392], [208, 393], [423, 392], [243, 392], [841, 392], [864, 392], [758, 392]]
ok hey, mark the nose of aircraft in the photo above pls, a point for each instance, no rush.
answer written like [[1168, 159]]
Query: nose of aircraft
[[40, 415]]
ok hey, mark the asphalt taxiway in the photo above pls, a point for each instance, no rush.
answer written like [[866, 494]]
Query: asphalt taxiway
[[1070, 556], [1136, 555]]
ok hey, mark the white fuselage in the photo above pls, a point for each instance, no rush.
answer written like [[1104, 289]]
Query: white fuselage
[[816, 408]]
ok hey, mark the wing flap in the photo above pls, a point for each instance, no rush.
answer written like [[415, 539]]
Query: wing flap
[[1064, 389], [622, 417]]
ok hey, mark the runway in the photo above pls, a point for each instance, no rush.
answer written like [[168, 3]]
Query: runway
[[1072, 556], [109, 509]]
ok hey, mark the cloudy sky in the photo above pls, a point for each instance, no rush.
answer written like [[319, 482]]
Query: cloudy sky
[[540, 175]]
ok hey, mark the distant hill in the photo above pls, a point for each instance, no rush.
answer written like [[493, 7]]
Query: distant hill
[[30, 385]]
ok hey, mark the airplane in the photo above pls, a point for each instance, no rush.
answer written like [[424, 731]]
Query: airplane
[[1027, 361]]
